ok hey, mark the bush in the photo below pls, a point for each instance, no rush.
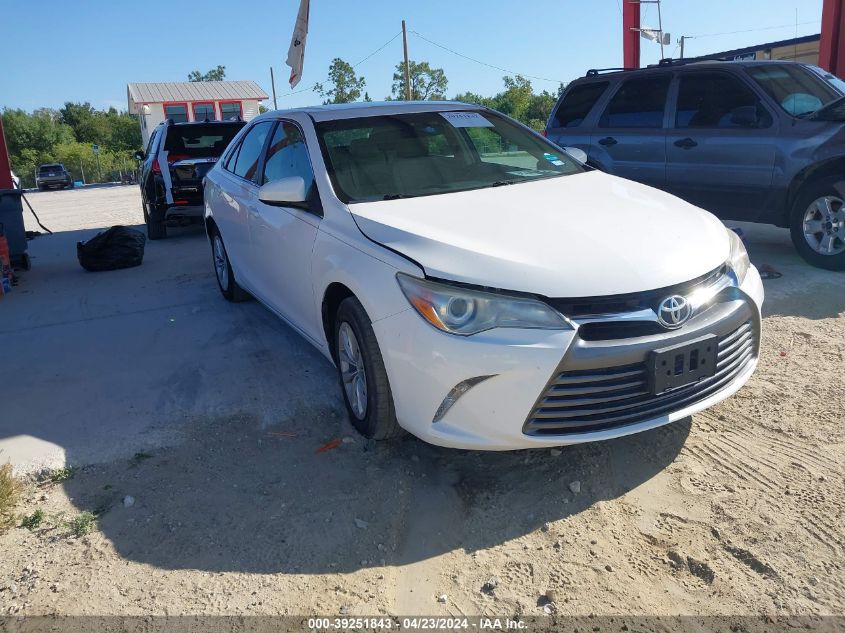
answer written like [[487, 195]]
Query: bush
[[9, 492]]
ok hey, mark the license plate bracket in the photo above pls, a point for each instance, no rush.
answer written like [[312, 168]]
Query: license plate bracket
[[681, 365]]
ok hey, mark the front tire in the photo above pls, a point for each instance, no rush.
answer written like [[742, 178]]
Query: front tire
[[817, 223], [363, 378], [229, 288]]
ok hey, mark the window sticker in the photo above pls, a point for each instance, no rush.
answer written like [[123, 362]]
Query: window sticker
[[466, 119], [554, 160]]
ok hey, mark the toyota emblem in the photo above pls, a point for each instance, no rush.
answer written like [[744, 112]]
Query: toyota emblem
[[674, 311]]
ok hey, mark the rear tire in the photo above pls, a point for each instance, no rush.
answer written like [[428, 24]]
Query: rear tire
[[817, 223], [229, 288], [363, 379], [156, 230]]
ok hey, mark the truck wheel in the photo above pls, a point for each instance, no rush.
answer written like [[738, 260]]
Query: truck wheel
[[363, 379], [156, 230], [817, 223], [229, 288]]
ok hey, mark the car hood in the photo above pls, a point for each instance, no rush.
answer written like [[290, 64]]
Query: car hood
[[575, 236]]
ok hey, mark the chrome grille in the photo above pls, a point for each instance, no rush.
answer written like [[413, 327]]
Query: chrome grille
[[592, 400]]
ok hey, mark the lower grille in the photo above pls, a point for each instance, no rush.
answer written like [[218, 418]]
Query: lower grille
[[597, 399]]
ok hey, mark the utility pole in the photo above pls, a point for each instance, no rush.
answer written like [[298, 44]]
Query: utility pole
[[660, 29], [273, 83], [683, 37], [407, 67]]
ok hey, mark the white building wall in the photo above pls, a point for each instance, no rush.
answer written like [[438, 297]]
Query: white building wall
[[250, 109]]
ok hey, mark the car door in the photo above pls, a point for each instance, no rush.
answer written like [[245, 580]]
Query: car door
[[629, 138], [236, 195], [283, 236], [722, 145]]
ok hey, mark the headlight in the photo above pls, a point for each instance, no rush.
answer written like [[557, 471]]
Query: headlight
[[458, 310], [738, 259]]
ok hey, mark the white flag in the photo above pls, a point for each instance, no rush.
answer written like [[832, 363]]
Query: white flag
[[296, 52], [655, 35]]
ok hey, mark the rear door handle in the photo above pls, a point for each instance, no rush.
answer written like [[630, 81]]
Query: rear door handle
[[686, 143], [608, 141]]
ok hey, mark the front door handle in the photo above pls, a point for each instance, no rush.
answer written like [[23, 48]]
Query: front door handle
[[686, 143], [608, 141]]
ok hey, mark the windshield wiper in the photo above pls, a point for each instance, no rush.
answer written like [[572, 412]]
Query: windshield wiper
[[396, 196], [502, 183]]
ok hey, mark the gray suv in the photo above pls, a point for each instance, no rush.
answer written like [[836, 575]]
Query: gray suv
[[53, 175], [752, 141]]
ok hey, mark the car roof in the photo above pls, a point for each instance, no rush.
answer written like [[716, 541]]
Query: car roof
[[203, 122], [682, 64], [359, 109]]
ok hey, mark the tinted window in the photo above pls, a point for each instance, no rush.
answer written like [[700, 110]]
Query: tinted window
[[230, 111], [203, 111], [246, 164], [179, 113], [797, 90], [152, 143], [639, 103], [288, 156], [201, 140], [718, 100], [577, 103]]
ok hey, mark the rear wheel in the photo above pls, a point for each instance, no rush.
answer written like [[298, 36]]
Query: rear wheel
[[363, 379], [155, 230], [817, 223], [229, 288]]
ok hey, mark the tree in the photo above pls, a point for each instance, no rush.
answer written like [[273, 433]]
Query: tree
[[344, 85], [426, 82], [215, 74]]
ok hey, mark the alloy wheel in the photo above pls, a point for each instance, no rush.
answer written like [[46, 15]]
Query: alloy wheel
[[221, 264], [352, 370], [824, 225]]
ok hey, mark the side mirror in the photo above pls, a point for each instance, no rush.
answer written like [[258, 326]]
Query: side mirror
[[140, 155], [283, 192], [578, 154]]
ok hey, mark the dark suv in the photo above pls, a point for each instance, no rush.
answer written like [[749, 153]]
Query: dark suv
[[754, 141], [175, 195], [53, 175]]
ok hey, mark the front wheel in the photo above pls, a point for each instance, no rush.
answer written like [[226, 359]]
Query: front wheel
[[363, 379], [817, 224], [229, 288]]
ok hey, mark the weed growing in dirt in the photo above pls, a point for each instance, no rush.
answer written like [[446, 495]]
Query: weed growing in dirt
[[34, 520], [9, 491], [140, 457], [62, 474], [81, 524]]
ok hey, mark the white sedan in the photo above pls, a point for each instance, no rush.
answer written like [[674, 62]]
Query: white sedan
[[476, 285]]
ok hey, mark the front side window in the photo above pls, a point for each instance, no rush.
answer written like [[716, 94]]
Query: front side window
[[203, 111], [246, 163], [577, 103], [427, 153], [179, 113], [639, 103], [718, 100], [794, 88], [230, 111], [288, 156]]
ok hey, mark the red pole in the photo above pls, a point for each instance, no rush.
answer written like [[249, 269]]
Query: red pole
[[631, 34], [5, 166], [832, 45]]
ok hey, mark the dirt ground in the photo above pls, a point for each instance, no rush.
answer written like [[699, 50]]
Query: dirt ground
[[738, 511]]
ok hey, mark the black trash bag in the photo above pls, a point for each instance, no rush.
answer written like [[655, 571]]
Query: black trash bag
[[114, 248]]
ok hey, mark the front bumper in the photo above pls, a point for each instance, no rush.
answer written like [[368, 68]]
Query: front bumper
[[423, 365]]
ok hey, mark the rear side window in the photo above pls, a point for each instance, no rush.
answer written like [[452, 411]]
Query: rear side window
[[718, 100], [639, 103], [577, 103], [246, 164]]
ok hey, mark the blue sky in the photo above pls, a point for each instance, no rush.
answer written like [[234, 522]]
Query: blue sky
[[89, 50]]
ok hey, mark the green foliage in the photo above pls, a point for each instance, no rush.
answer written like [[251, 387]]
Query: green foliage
[[32, 521], [66, 135], [215, 74], [81, 524], [518, 101], [344, 85], [9, 491], [62, 474], [427, 83]]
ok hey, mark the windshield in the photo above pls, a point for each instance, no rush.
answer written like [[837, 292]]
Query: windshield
[[425, 153], [798, 90]]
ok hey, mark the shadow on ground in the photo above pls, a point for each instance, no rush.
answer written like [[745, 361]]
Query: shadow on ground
[[239, 496]]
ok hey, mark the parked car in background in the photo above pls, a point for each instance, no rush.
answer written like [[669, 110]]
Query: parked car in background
[[174, 195], [53, 176], [756, 141], [473, 283]]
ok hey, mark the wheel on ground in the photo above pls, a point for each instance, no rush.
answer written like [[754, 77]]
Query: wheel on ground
[[817, 223], [156, 230], [69, 186], [363, 379], [223, 271]]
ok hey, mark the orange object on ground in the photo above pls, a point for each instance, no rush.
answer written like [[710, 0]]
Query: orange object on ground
[[329, 446]]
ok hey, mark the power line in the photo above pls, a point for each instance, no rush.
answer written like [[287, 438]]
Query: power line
[[378, 50], [478, 61], [766, 28]]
